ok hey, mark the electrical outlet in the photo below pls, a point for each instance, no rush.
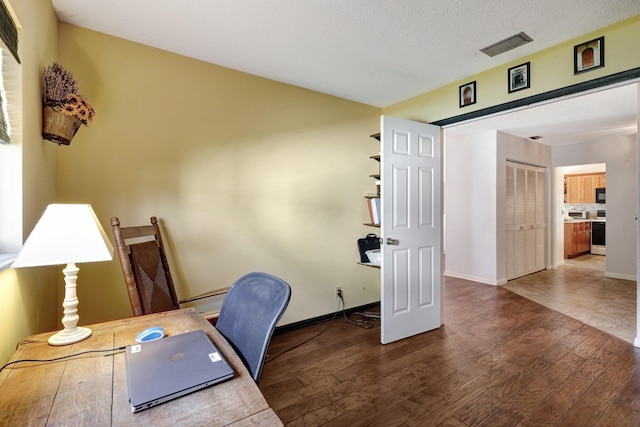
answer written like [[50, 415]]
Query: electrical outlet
[[338, 292]]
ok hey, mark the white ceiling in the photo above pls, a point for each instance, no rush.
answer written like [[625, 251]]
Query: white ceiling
[[377, 52]]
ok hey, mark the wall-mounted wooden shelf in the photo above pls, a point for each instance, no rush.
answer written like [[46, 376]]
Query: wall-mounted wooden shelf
[[369, 265]]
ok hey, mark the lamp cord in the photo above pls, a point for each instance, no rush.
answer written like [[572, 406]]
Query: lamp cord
[[111, 350]]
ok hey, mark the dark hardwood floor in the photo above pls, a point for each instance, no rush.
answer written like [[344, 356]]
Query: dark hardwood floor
[[499, 360]]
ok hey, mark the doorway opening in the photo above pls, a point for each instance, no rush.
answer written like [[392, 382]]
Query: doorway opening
[[583, 209], [574, 132]]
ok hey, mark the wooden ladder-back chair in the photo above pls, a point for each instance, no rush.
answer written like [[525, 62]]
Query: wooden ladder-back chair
[[146, 270]]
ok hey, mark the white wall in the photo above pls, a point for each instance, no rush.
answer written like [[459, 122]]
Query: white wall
[[637, 340], [557, 219], [474, 193], [469, 206], [620, 155]]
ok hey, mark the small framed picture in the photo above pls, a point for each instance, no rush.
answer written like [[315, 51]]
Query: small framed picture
[[519, 77], [467, 94], [588, 56]]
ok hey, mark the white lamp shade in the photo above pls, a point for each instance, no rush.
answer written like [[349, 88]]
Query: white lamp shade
[[66, 233]]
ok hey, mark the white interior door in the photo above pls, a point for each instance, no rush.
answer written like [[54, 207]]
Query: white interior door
[[411, 228]]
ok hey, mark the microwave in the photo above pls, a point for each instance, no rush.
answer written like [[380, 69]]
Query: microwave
[[601, 195]]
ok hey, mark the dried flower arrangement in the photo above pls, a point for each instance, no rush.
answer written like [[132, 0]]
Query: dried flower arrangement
[[61, 92]]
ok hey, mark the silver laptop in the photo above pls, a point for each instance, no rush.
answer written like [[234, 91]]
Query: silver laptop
[[161, 370]]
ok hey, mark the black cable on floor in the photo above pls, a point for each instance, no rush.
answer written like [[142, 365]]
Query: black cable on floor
[[365, 322], [308, 339]]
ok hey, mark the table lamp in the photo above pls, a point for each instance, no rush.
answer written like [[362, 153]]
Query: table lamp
[[66, 234]]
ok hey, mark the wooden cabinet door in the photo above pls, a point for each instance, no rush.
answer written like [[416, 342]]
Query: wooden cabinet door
[[577, 238], [588, 189], [601, 181], [574, 189], [585, 237], [568, 240]]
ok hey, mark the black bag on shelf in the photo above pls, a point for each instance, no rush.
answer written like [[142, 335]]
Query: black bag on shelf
[[370, 242]]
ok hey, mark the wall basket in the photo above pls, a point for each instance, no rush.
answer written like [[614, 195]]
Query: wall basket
[[58, 127]]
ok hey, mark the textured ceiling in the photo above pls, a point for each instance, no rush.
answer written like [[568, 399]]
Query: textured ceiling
[[377, 52]]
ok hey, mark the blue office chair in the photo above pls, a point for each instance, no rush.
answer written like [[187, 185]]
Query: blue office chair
[[249, 314]]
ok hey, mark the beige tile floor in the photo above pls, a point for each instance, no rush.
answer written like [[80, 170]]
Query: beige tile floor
[[580, 290]]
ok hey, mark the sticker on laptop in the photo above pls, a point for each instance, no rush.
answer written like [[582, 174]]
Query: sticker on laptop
[[215, 357]]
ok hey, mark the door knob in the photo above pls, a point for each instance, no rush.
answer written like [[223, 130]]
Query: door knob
[[391, 241]]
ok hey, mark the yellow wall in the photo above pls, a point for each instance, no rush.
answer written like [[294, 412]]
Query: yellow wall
[[246, 174], [550, 69], [29, 295]]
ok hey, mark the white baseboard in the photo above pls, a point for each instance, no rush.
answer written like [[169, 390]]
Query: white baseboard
[[475, 278], [620, 276]]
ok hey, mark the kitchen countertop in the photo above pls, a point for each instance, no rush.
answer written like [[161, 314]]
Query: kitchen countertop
[[586, 220]]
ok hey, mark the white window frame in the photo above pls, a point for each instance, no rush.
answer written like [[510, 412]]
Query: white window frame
[[11, 164]]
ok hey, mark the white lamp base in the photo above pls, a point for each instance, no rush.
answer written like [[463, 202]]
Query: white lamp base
[[71, 332], [66, 336]]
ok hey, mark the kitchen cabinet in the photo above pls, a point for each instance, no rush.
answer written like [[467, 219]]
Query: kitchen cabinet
[[582, 188], [577, 238]]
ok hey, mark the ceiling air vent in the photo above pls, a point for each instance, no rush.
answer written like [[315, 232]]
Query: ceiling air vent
[[507, 44]]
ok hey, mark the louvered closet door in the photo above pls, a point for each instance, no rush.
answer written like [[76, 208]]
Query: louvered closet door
[[525, 225]]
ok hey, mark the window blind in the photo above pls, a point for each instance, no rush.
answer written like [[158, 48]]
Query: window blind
[[8, 31], [5, 129]]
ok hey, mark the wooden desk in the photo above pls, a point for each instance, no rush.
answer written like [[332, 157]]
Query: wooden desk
[[91, 390]]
